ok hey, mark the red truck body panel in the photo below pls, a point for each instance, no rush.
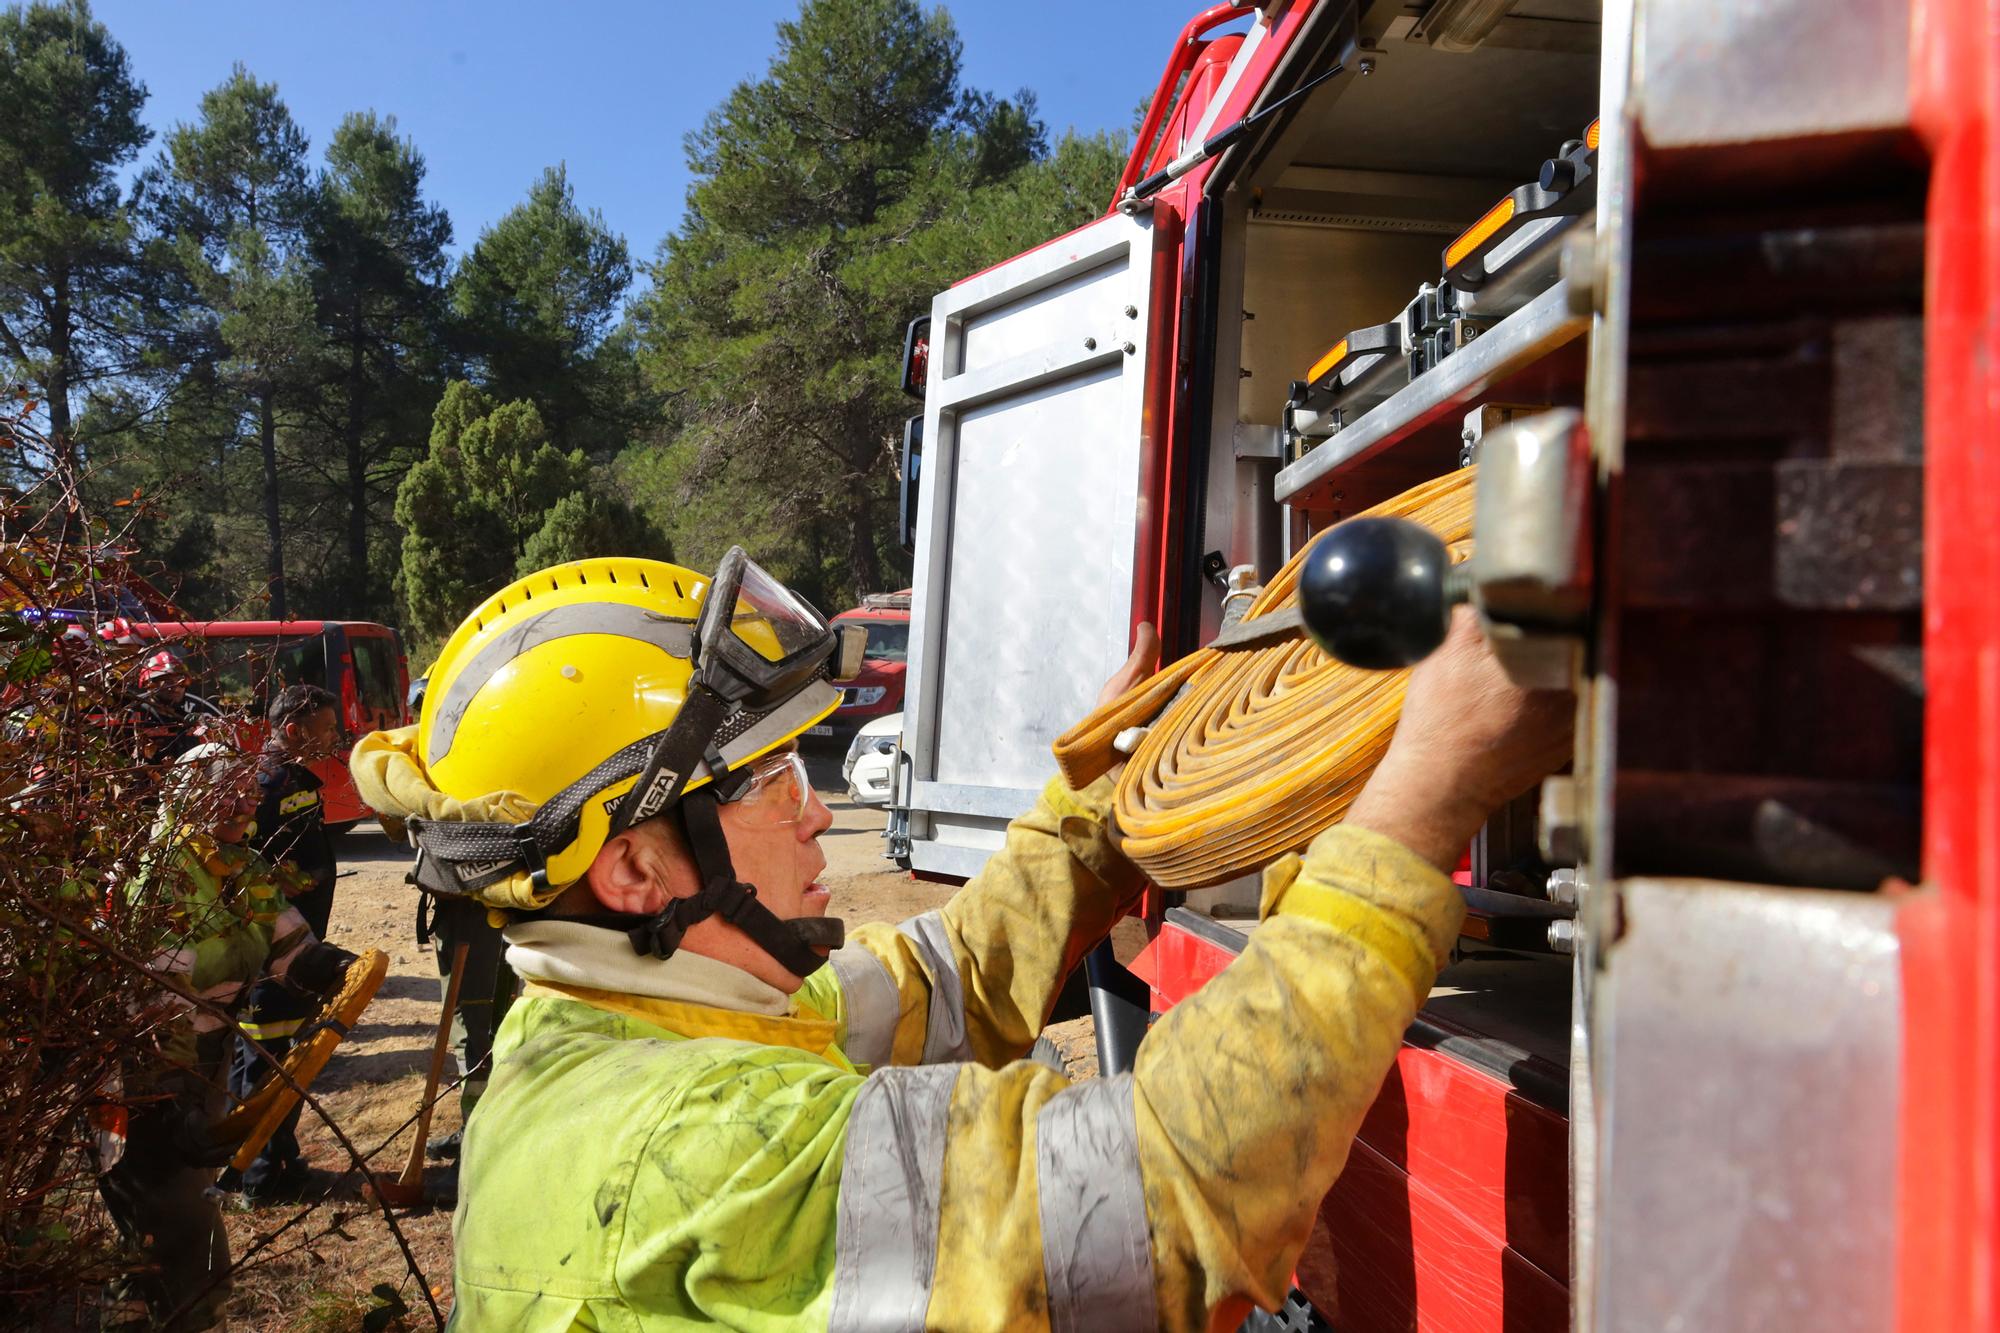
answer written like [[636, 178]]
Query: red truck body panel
[[1949, 1228]]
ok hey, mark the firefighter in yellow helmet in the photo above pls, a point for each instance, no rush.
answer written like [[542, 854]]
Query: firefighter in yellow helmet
[[713, 1106]]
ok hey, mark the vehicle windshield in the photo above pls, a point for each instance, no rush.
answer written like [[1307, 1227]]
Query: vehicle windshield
[[375, 673], [888, 640], [245, 672]]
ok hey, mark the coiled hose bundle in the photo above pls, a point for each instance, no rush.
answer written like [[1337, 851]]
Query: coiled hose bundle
[[1252, 751]]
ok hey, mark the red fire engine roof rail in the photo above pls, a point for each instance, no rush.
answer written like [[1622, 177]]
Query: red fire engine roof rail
[[1186, 48]]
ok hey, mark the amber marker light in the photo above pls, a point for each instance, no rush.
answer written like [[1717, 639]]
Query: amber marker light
[[1480, 232], [1590, 137], [1327, 362]]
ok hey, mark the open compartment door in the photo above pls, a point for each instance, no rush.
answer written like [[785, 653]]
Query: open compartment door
[[1035, 431]]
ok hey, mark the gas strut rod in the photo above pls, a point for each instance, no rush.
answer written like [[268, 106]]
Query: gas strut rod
[[1216, 142]]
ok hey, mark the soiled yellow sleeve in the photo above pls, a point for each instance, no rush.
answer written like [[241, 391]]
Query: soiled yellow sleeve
[[1181, 1194], [1310, 1017], [998, 952]]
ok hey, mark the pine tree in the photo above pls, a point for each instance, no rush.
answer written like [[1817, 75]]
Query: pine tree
[[379, 265], [73, 289], [495, 498], [536, 300], [831, 199], [230, 198], [581, 526]]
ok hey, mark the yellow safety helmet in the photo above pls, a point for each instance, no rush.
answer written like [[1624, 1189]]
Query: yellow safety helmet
[[580, 685]]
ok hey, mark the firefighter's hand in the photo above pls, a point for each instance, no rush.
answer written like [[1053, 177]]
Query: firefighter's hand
[[320, 969], [190, 1132], [1144, 657], [1469, 741]]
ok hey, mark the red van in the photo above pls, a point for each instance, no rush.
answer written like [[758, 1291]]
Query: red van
[[878, 690], [240, 664]]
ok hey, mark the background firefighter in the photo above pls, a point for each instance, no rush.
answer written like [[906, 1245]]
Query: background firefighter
[[290, 833], [232, 925]]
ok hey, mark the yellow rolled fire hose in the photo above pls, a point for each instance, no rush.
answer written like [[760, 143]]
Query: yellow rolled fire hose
[[1251, 752]]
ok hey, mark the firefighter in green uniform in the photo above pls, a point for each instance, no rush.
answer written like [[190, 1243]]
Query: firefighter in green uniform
[[714, 1106], [230, 926]]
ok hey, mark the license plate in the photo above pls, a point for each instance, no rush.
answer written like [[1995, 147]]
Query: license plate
[[819, 731]]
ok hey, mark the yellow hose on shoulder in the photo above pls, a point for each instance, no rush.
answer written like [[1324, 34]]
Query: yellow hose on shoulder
[[1264, 747]]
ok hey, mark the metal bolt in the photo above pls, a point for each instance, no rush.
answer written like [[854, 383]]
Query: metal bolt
[[1090, 344], [1367, 66], [1561, 888], [1131, 348], [1131, 312], [1562, 936], [570, 673]]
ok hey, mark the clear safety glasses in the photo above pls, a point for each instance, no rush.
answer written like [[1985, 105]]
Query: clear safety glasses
[[778, 792]]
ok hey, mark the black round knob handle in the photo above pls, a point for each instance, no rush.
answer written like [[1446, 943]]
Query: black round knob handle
[[1373, 593]]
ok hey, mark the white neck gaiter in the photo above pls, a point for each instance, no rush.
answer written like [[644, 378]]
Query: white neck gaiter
[[579, 955]]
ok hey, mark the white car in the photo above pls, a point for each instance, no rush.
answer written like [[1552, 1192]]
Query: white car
[[870, 766]]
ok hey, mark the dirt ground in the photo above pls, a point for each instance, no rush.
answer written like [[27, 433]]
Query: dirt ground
[[317, 1261]]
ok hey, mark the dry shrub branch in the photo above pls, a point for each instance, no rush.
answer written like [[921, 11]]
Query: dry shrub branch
[[87, 797]]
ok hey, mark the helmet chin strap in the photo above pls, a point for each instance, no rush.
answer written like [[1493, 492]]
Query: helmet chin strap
[[790, 943]]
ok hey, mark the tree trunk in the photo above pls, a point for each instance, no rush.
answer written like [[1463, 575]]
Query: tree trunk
[[863, 564], [357, 485], [274, 531], [62, 439]]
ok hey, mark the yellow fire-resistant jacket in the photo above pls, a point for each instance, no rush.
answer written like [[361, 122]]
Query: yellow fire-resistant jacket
[[872, 1160], [229, 924]]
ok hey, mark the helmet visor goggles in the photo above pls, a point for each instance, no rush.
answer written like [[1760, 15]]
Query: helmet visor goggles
[[757, 642]]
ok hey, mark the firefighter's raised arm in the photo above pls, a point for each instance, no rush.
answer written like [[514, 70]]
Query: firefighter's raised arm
[[977, 978], [1309, 1018], [1187, 1187]]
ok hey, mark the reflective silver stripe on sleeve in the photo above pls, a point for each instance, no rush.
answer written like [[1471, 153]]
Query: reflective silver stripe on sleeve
[[886, 1238], [873, 1005], [944, 1037], [1096, 1247]]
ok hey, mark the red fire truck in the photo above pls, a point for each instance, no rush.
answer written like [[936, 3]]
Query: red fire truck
[[239, 664], [1713, 294]]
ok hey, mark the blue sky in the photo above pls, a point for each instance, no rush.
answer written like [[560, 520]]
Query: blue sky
[[493, 92]]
